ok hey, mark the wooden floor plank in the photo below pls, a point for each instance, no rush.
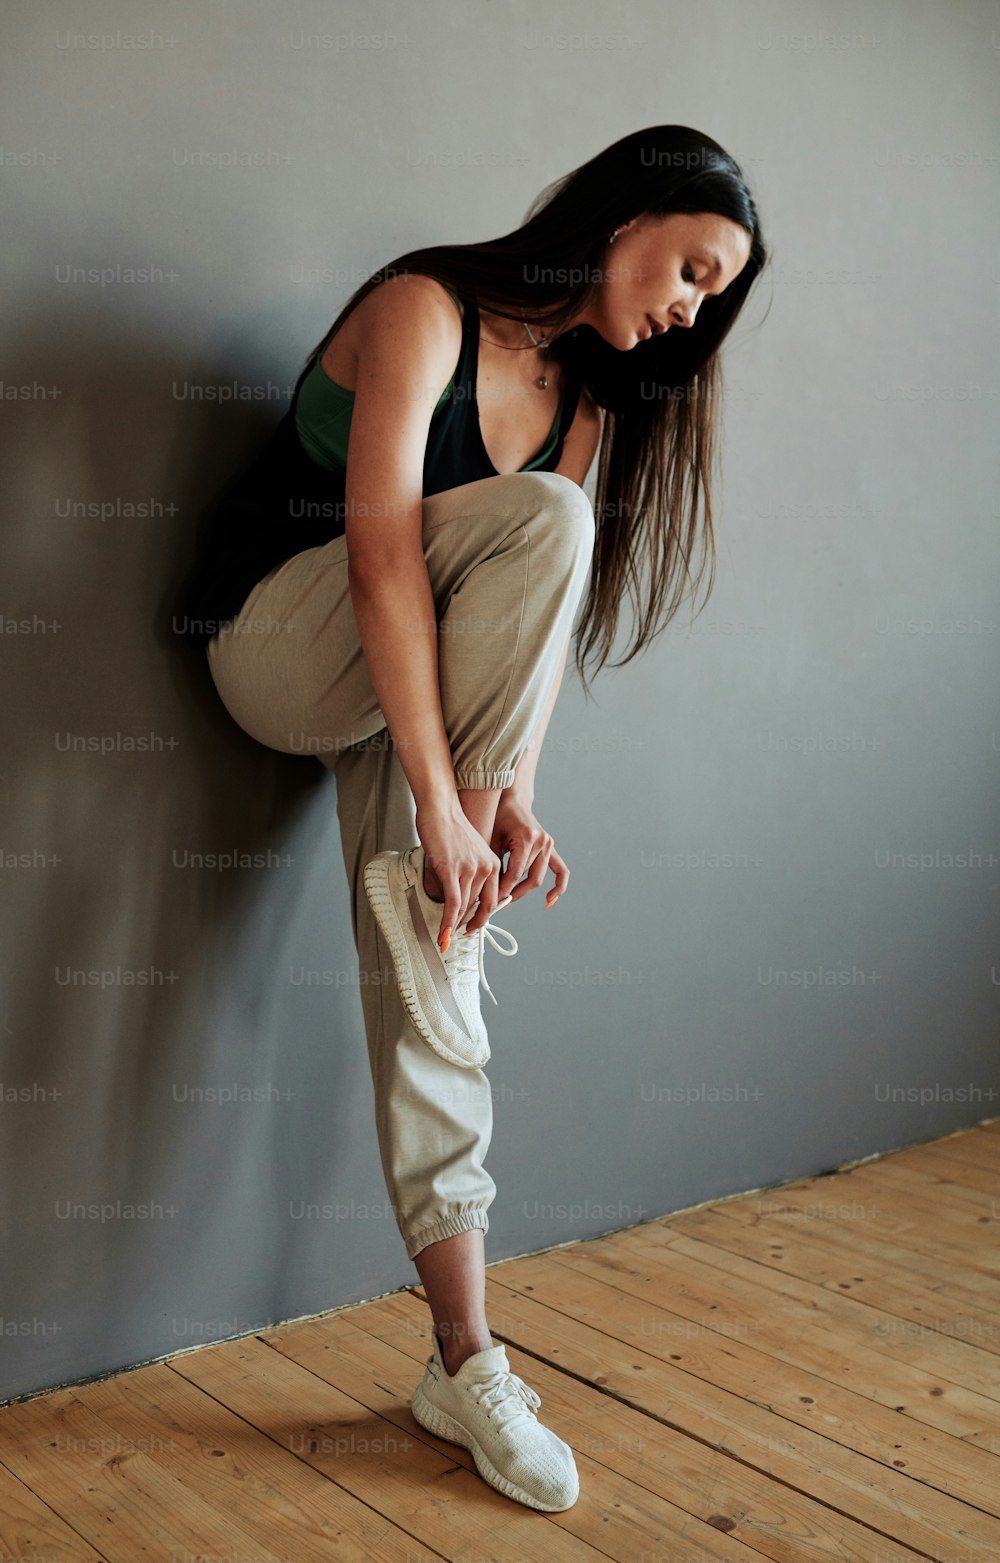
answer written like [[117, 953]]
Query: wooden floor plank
[[612, 1458], [127, 1505], [30, 1529], [976, 1146], [960, 1223], [949, 1190], [911, 1301], [219, 1455], [984, 1179], [795, 1333], [854, 1241], [856, 1322], [432, 1495], [794, 1443], [779, 1523], [898, 1218], [805, 1374], [845, 1415]]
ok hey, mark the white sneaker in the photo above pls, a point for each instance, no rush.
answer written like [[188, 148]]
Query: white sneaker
[[491, 1412], [440, 992]]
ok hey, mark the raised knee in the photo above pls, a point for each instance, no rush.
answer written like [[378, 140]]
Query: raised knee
[[554, 489], [561, 508]]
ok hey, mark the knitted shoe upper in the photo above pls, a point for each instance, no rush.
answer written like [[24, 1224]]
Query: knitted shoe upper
[[498, 1408], [463, 959]]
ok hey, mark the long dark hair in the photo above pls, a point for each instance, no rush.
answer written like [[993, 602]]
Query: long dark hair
[[658, 449]]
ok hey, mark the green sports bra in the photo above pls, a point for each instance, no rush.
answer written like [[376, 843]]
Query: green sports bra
[[323, 417]]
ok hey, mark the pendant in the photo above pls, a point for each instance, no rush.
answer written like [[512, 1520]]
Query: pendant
[[541, 381]]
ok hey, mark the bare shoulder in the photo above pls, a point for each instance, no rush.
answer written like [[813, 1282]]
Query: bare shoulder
[[410, 299], [408, 347], [408, 317], [409, 338]]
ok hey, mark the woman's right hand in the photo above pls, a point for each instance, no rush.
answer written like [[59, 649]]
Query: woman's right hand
[[466, 865]]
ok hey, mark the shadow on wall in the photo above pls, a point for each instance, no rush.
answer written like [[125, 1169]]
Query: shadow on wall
[[128, 967]]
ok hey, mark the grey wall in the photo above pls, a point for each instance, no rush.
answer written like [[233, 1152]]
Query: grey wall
[[780, 947]]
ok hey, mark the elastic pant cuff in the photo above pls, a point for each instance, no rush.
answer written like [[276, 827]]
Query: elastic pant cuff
[[448, 1226], [485, 780]]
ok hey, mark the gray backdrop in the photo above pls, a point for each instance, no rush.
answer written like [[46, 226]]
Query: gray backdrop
[[779, 951]]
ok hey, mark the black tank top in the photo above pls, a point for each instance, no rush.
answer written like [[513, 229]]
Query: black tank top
[[285, 502]]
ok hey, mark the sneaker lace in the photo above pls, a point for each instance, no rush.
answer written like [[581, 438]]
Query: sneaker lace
[[505, 1395], [466, 951]]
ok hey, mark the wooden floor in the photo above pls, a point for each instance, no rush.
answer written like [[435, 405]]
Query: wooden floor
[[808, 1372]]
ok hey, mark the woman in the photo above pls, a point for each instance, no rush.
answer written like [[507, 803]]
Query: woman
[[400, 603]]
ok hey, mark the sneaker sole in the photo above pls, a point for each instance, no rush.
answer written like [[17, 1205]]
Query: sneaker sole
[[379, 893], [444, 1426]]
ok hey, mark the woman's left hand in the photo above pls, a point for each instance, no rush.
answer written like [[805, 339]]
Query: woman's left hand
[[531, 849]]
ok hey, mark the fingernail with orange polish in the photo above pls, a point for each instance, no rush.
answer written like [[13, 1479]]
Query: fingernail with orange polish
[[552, 899], [444, 940]]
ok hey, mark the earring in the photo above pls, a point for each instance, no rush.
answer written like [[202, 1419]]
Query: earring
[[612, 236]]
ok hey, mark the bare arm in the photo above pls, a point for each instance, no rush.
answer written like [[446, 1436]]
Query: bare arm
[[411, 335], [411, 339]]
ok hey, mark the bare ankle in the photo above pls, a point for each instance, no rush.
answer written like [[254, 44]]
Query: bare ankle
[[460, 1344]]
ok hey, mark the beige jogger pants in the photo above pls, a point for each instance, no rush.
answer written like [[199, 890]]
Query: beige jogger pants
[[508, 558]]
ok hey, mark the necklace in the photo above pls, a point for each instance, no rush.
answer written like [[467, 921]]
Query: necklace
[[541, 380]]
